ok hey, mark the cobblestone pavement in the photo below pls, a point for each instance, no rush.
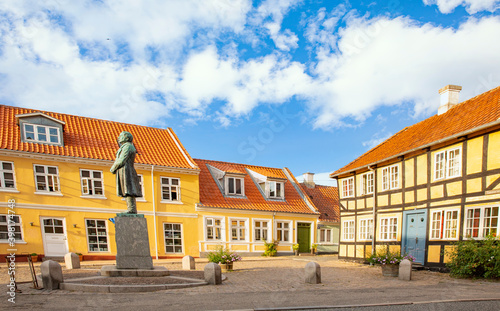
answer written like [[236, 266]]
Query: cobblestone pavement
[[274, 283]]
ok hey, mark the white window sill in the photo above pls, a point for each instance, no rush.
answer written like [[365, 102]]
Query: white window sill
[[171, 202], [212, 241], [100, 197], [55, 194], [17, 242], [9, 190], [97, 252]]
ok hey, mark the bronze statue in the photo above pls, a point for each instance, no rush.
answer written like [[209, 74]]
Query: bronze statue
[[127, 182]]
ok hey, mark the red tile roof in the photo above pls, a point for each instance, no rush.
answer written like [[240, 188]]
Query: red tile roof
[[468, 115], [211, 196], [91, 138], [326, 200]]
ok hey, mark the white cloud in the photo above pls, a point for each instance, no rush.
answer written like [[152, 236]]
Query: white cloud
[[471, 6]]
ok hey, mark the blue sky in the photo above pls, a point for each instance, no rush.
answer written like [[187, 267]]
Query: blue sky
[[309, 85]]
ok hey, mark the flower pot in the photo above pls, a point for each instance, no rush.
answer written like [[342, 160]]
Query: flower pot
[[34, 258], [390, 270], [296, 252], [226, 267], [80, 257]]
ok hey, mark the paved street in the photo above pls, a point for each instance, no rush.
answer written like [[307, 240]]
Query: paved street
[[279, 283]]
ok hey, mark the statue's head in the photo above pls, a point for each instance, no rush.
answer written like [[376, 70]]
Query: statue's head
[[125, 137]]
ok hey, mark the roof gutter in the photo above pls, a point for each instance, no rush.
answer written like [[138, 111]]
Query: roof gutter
[[482, 127]]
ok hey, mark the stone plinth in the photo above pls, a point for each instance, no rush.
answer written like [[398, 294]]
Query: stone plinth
[[313, 273], [113, 271], [405, 269], [213, 274], [51, 274], [132, 242], [72, 261], [188, 263]]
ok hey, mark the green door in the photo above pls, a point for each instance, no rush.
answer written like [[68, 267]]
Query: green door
[[304, 237]]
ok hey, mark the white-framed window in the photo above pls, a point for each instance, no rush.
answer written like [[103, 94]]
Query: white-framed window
[[365, 229], [367, 183], [141, 182], [348, 187], [14, 221], [46, 178], [173, 238], [276, 190], [238, 229], [235, 186], [213, 229], [390, 177], [388, 228], [348, 230], [260, 230], [481, 221], [170, 189], [325, 235], [444, 224], [97, 235], [7, 178], [283, 231], [41, 133], [447, 164], [92, 182]]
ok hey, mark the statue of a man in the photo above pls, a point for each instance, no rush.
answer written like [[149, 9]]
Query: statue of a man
[[127, 182]]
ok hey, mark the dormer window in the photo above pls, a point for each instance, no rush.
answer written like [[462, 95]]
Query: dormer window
[[40, 128], [273, 189], [230, 183], [41, 133], [234, 186]]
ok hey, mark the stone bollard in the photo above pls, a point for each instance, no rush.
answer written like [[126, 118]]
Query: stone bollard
[[188, 263], [213, 274], [72, 261], [405, 270], [313, 273], [51, 274]]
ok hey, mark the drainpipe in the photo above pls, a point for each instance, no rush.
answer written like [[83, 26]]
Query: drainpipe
[[154, 209], [274, 227], [373, 211]]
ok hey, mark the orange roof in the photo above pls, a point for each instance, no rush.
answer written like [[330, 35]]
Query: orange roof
[[326, 200], [468, 115], [96, 139], [211, 195]]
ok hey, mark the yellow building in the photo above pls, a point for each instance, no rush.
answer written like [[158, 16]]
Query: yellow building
[[242, 205], [427, 186], [58, 194]]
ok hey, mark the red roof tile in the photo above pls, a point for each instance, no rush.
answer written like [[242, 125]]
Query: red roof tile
[[326, 200], [468, 115], [211, 196], [96, 139]]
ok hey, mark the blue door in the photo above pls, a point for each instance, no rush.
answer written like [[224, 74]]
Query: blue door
[[415, 235]]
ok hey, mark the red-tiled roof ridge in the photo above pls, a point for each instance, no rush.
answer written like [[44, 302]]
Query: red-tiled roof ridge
[[326, 200], [240, 164], [472, 114]]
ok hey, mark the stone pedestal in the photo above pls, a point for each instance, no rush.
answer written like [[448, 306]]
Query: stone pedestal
[[188, 263], [405, 269], [51, 274], [132, 242], [72, 261], [313, 273], [213, 274]]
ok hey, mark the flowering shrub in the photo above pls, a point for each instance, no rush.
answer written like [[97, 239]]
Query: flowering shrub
[[271, 248], [222, 256], [388, 258]]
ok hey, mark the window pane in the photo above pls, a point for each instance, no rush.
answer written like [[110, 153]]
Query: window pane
[[230, 185], [52, 131], [175, 182], [52, 170]]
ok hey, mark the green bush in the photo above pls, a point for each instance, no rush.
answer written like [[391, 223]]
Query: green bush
[[222, 256], [475, 258], [271, 248]]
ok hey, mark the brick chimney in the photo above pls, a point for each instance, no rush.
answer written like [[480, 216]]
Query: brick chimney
[[309, 179], [449, 97]]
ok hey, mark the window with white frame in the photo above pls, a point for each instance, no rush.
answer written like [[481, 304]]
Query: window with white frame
[[388, 228], [41, 133], [92, 182], [276, 190], [238, 230], [348, 230], [46, 178], [365, 229], [481, 221], [173, 238], [234, 186], [325, 235], [97, 235], [7, 175], [141, 183], [390, 177], [283, 231], [260, 230], [13, 221], [367, 183], [444, 225], [213, 229], [170, 189], [348, 187], [447, 164]]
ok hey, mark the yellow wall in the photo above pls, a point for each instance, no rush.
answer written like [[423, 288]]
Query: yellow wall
[[493, 147], [474, 155]]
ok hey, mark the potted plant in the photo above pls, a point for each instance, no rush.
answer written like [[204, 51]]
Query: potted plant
[[295, 248], [389, 262], [224, 258], [34, 257], [314, 248], [80, 256], [271, 248]]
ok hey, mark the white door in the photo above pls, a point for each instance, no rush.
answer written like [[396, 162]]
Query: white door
[[54, 236]]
